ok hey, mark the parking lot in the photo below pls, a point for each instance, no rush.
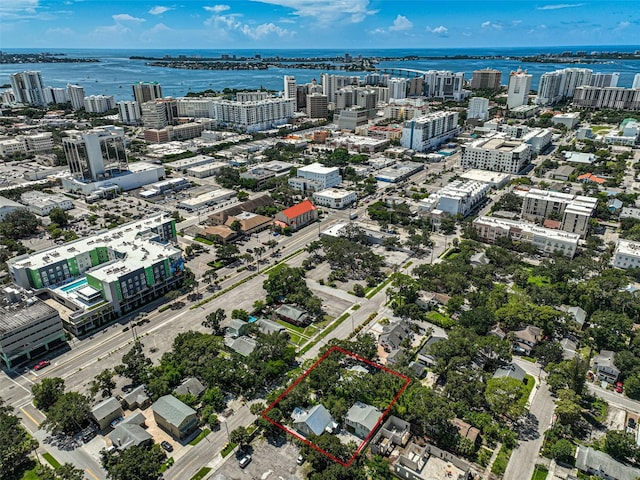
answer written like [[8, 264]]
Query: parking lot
[[268, 462]]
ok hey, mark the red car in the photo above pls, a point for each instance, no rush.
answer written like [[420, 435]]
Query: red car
[[619, 387], [41, 364]]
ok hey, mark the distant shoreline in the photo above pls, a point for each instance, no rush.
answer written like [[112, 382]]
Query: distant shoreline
[[43, 57]]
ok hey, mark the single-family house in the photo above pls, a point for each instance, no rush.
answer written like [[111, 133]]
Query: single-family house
[[237, 328], [430, 300], [604, 366], [267, 326], [479, 258], [242, 345], [175, 417], [576, 314], [524, 340], [292, 314], [136, 398], [511, 371], [425, 355], [130, 432], [313, 421], [299, 215], [190, 386], [106, 412], [467, 431], [393, 335], [569, 347], [394, 431], [595, 462], [362, 419]]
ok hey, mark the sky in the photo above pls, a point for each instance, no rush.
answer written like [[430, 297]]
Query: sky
[[338, 24]]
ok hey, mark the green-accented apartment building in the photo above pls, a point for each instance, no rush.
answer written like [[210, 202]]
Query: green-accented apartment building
[[94, 280]]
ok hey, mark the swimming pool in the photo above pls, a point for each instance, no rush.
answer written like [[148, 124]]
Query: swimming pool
[[75, 285]]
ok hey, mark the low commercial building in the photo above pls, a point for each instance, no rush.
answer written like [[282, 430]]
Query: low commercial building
[[206, 170], [357, 143], [169, 185], [627, 254], [539, 139], [185, 163], [94, 280], [399, 172], [490, 229], [28, 327], [207, 199], [334, 198], [7, 206], [569, 119], [299, 215], [326, 177], [42, 203], [175, 417], [457, 198], [497, 153], [136, 175], [495, 179]]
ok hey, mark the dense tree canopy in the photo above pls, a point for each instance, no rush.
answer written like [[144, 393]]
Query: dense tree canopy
[[15, 443], [134, 463]]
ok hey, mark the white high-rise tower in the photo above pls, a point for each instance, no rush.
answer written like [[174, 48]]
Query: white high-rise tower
[[519, 86], [28, 88], [290, 90]]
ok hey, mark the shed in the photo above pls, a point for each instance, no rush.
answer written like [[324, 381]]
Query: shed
[[106, 412], [175, 417]]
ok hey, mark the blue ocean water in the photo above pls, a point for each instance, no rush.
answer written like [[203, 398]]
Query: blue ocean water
[[115, 73]]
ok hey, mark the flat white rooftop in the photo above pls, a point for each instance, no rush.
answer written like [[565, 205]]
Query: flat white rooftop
[[317, 168], [627, 247]]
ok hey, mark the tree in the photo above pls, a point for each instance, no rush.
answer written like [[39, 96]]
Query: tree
[[240, 314], [214, 321], [610, 331], [59, 217], [19, 223], [134, 463], [562, 450], [358, 290], [239, 436], [15, 443], [236, 226], [69, 414], [548, 352], [47, 392], [68, 472], [506, 397], [135, 365], [568, 410], [632, 387], [447, 225], [620, 445], [103, 383]]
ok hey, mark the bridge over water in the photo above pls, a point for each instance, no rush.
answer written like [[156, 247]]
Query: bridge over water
[[401, 72]]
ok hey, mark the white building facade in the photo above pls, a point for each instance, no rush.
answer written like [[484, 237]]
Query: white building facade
[[429, 131]]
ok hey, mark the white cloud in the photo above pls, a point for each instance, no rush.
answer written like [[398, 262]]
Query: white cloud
[[217, 8], [159, 10], [125, 17], [151, 35], [494, 25], [327, 11], [441, 30], [230, 23], [623, 25], [558, 6], [401, 23], [59, 31], [109, 30], [18, 6]]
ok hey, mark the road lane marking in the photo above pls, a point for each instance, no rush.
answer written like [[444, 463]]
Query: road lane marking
[[30, 417], [88, 470]]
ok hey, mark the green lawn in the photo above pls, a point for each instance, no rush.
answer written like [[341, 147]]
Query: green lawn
[[49, 458], [540, 473], [530, 383], [500, 464], [206, 241], [228, 448], [600, 128], [166, 464], [439, 319], [200, 436], [538, 280], [201, 473]]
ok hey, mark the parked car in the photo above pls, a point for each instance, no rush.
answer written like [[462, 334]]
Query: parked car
[[167, 446], [619, 387], [244, 461], [300, 460], [41, 364], [631, 423]]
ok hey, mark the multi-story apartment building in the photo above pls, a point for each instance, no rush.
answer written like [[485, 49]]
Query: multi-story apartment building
[[429, 131], [574, 211], [99, 103], [290, 90], [490, 229], [615, 98], [129, 112], [196, 107], [636, 81], [556, 86], [28, 327], [55, 95], [146, 91], [604, 80], [398, 88], [538, 138], [253, 96], [93, 280], [35, 143], [317, 176], [154, 114], [317, 105], [627, 254], [28, 88], [445, 84], [486, 79], [254, 116], [76, 96], [478, 108], [496, 153], [457, 198], [518, 89]]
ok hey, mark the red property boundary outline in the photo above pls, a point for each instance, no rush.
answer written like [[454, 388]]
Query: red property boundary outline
[[305, 374]]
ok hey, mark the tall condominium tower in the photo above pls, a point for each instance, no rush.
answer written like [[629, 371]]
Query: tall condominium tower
[[519, 86], [28, 88], [290, 90], [76, 96], [146, 91], [92, 154]]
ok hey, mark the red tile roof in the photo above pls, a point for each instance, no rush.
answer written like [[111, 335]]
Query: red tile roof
[[590, 177], [299, 209], [554, 224]]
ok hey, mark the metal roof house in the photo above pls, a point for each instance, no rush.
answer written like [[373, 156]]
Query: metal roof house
[[593, 462], [292, 314], [136, 398], [312, 421], [191, 386], [130, 432], [107, 411], [361, 419], [175, 417]]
